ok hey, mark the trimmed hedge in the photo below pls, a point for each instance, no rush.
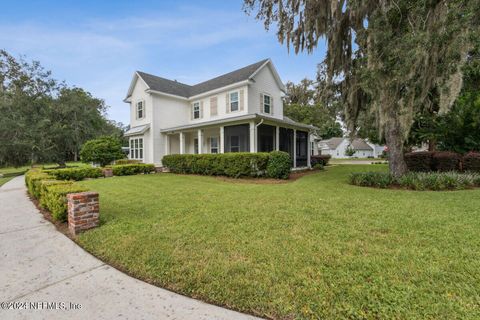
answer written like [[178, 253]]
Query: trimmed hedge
[[278, 165], [33, 180], [55, 199], [76, 174], [471, 162], [126, 161], [51, 193], [419, 161], [446, 161], [436, 181], [131, 169], [238, 164], [323, 159]]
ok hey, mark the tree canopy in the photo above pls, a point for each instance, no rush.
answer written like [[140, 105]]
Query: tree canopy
[[42, 119], [302, 104], [389, 58]]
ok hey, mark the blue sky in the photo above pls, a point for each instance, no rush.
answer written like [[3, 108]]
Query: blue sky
[[97, 45]]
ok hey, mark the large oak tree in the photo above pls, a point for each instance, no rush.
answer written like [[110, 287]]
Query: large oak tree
[[389, 58]]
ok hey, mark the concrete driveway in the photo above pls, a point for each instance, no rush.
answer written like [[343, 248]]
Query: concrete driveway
[[45, 275]]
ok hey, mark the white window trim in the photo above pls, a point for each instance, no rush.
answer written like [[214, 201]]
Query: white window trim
[[230, 100], [134, 153], [143, 109], [270, 104], [193, 110]]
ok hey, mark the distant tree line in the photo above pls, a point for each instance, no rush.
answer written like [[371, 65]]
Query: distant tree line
[[44, 120]]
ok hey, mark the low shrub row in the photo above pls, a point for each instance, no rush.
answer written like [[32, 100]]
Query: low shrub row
[[131, 169], [323, 159], [51, 193], [76, 174], [442, 161], [242, 164], [126, 161], [436, 181]]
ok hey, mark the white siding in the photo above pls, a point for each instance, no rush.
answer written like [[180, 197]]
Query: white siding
[[265, 83]]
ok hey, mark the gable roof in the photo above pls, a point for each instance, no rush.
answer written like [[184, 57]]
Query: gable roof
[[357, 143], [360, 144], [332, 143], [183, 90]]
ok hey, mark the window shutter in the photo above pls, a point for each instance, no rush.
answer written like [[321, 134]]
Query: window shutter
[[191, 111], [271, 105], [213, 106], [143, 109], [201, 109], [262, 109], [227, 102], [241, 100]]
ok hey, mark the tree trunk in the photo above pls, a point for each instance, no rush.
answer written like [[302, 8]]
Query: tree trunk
[[432, 145], [394, 139]]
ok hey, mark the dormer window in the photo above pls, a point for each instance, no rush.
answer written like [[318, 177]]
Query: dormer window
[[196, 110], [140, 109], [267, 103], [234, 101]]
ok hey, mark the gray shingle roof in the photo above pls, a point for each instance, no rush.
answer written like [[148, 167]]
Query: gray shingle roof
[[360, 144], [357, 143], [185, 90], [332, 143]]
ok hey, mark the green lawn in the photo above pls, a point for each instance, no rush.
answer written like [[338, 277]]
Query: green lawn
[[314, 248]]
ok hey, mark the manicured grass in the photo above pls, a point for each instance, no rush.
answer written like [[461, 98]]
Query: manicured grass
[[314, 248]]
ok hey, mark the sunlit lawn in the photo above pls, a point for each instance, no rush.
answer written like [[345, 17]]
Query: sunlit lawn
[[314, 248]]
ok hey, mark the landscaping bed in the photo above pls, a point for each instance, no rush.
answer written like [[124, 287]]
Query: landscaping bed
[[314, 248]]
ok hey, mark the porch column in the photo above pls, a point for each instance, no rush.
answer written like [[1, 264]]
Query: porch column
[[167, 144], [182, 143], [309, 149], [277, 138], [253, 137], [222, 139], [294, 148], [200, 141]]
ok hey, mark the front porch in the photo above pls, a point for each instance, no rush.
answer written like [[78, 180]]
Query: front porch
[[254, 135]]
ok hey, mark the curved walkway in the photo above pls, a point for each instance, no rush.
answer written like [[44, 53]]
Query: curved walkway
[[40, 264]]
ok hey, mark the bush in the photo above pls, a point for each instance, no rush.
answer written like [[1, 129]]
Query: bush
[[126, 161], [446, 161], [33, 180], [471, 162], [318, 166], [43, 189], [321, 158], [76, 174], [371, 179], [131, 169], [55, 199], [102, 150], [278, 165], [227, 164], [419, 161], [438, 181]]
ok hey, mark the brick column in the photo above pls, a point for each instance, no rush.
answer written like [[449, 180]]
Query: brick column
[[107, 172], [83, 211]]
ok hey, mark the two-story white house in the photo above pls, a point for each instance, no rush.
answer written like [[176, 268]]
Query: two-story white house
[[241, 111]]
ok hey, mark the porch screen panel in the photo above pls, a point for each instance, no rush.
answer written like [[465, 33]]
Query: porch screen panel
[[302, 148], [286, 141], [237, 138], [266, 138]]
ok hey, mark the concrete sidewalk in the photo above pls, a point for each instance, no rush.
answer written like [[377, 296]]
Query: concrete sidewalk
[[40, 264]]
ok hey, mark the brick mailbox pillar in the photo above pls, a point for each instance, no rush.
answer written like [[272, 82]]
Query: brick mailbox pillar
[[83, 211], [107, 172]]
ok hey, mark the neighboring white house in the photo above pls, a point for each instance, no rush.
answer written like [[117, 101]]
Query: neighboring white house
[[337, 148], [241, 111]]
